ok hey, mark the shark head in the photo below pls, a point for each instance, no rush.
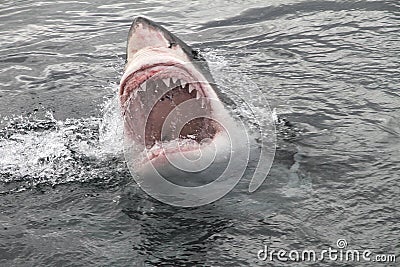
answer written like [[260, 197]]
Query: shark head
[[177, 127], [166, 82]]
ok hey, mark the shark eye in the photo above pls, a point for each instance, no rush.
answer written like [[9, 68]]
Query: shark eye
[[171, 44]]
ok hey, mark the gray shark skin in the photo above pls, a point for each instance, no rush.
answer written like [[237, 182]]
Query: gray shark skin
[[196, 58]]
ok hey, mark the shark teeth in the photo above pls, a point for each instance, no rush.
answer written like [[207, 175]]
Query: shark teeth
[[191, 88], [203, 102], [143, 87], [166, 81], [183, 83]]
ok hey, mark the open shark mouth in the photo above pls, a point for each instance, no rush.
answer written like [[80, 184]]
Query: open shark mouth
[[168, 94]]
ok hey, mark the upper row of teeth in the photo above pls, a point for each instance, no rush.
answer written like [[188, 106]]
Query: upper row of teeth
[[167, 82]]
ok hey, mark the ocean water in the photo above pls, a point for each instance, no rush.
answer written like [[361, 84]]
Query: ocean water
[[329, 69]]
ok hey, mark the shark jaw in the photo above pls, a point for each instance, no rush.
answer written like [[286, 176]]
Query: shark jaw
[[168, 98]]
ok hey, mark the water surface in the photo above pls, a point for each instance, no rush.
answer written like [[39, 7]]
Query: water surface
[[330, 68]]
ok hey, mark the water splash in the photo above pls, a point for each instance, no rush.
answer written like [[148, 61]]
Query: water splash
[[48, 151]]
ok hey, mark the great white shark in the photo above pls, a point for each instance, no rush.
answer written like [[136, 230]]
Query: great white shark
[[175, 116]]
